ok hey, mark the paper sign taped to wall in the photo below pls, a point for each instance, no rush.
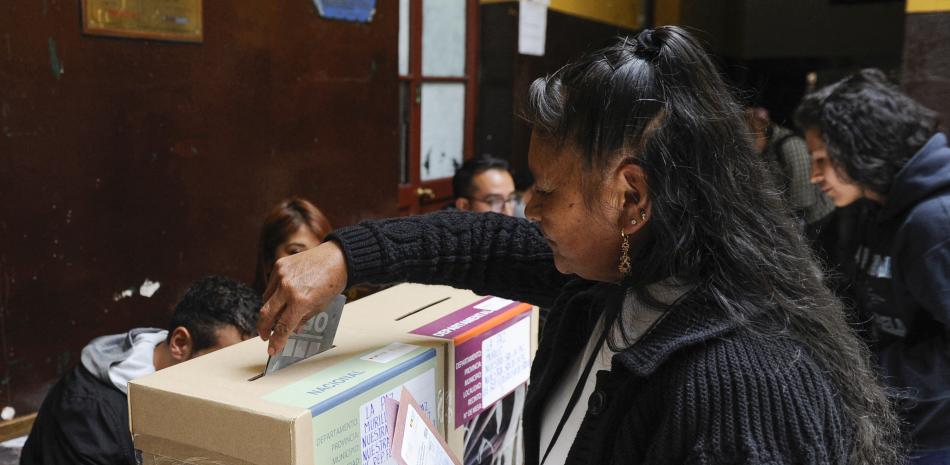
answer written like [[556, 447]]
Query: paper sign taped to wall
[[315, 337], [532, 27]]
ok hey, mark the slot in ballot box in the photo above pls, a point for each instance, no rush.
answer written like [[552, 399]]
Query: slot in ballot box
[[328, 409]]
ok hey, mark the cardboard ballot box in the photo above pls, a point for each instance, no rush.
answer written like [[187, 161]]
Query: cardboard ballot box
[[328, 409], [488, 342]]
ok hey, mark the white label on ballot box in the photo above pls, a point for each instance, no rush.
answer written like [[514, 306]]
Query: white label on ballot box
[[389, 353], [374, 432], [421, 446], [494, 303], [506, 361]]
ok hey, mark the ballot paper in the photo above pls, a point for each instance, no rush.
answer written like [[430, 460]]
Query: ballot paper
[[415, 439], [316, 336]]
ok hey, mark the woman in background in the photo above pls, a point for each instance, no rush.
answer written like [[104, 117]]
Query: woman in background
[[293, 226], [870, 142]]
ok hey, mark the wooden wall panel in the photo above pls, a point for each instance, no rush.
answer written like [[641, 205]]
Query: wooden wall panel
[[124, 160]]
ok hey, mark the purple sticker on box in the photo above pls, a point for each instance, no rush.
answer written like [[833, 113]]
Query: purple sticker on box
[[492, 339]]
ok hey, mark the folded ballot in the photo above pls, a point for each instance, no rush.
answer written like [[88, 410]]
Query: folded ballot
[[314, 337]]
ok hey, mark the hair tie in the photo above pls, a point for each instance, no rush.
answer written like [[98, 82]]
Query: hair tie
[[644, 45]]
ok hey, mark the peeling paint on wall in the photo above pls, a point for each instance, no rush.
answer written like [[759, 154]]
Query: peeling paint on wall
[[149, 288], [123, 294]]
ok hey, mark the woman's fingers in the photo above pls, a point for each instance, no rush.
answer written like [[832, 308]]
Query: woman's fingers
[[300, 286], [271, 286], [271, 310], [282, 331]]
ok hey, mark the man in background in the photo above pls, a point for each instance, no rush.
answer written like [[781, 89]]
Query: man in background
[[484, 184], [85, 416]]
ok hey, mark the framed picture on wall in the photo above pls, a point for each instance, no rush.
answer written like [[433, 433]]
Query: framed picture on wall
[[174, 20]]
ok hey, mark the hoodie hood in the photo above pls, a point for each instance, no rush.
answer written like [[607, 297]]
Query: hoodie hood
[[100, 355], [927, 173]]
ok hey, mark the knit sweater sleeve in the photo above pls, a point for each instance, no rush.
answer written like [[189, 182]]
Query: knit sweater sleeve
[[744, 401], [485, 252]]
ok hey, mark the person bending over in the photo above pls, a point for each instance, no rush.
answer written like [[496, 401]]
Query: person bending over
[[85, 416]]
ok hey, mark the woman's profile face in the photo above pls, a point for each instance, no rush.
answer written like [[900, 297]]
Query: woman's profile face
[[301, 240], [841, 191], [583, 234]]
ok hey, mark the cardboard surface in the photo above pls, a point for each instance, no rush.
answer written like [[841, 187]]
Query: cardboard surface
[[330, 408], [206, 411]]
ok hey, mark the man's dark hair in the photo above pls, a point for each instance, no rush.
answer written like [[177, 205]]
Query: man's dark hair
[[213, 302], [870, 128], [462, 181]]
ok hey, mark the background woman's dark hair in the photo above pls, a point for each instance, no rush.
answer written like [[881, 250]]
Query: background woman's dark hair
[[870, 128], [282, 222], [716, 218]]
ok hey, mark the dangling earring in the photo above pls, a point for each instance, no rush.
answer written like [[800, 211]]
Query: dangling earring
[[643, 215], [624, 266]]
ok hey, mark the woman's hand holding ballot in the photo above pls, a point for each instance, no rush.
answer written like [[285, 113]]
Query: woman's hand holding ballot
[[300, 286]]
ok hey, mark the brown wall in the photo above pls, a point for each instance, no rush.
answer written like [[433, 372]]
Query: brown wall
[[926, 75], [122, 160]]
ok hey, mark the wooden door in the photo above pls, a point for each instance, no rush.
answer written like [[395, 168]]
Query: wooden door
[[437, 69]]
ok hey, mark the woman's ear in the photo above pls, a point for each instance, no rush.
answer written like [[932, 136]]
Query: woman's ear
[[635, 211], [180, 344]]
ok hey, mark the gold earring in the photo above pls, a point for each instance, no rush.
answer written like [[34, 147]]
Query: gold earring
[[624, 266]]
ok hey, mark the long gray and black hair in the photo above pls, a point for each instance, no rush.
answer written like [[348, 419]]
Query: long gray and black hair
[[716, 219]]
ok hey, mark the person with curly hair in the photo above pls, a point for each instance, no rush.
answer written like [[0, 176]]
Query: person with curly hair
[[871, 142]]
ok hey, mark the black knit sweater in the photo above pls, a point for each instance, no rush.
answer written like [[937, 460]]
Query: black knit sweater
[[695, 389]]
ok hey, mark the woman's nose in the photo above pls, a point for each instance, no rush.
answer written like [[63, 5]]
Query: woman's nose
[[531, 208]]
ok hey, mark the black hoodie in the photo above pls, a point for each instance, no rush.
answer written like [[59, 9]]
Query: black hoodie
[[903, 288]]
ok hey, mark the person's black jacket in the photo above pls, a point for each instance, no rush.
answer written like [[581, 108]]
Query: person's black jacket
[[902, 287], [82, 421], [696, 389]]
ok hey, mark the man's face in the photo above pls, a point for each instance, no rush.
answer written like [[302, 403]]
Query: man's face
[[225, 335], [491, 191]]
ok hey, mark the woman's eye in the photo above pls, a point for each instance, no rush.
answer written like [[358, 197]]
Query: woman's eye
[[542, 192]]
